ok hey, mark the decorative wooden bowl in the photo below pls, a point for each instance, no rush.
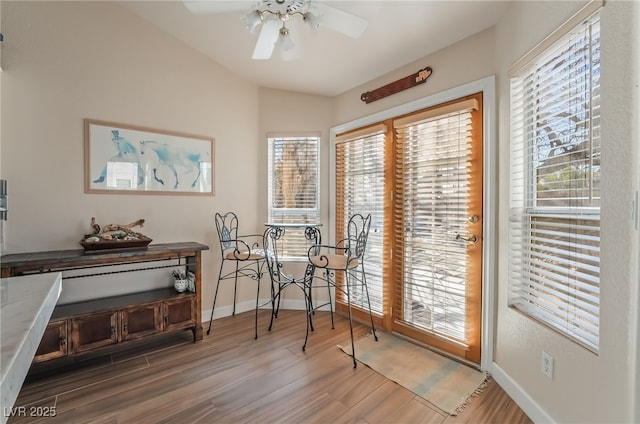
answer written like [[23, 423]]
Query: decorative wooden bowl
[[141, 242]]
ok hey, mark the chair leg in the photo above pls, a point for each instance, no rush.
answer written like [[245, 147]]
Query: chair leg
[[309, 306], [277, 305], [215, 296], [257, 298], [366, 290], [353, 348], [273, 301], [308, 299], [235, 288], [330, 306]]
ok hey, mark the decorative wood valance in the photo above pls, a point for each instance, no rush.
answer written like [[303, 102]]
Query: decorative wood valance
[[410, 81]]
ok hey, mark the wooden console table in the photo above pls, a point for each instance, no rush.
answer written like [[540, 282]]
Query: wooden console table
[[83, 326]]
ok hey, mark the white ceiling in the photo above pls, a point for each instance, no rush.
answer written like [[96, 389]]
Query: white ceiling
[[399, 33]]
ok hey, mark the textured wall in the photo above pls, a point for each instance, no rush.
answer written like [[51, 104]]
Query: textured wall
[[586, 387]]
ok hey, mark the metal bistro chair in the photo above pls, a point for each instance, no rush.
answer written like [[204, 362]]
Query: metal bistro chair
[[346, 256], [246, 254]]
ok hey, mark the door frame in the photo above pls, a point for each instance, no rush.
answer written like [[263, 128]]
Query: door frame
[[489, 289]]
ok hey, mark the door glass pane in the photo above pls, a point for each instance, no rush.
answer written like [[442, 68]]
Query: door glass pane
[[362, 179], [436, 184]]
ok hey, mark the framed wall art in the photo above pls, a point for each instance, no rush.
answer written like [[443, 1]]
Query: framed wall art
[[129, 159]]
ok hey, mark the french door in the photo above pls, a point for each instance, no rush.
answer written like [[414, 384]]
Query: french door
[[420, 176]]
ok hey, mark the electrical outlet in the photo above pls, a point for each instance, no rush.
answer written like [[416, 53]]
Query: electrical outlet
[[547, 365]]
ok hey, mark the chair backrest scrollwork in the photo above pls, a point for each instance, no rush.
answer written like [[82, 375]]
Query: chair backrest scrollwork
[[357, 235], [227, 228], [270, 244]]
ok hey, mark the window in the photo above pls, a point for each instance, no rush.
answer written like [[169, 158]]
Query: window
[[555, 185], [293, 188]]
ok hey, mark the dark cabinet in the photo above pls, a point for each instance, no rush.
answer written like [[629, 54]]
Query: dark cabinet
[[92, 331], [84, 326], [179, 313], [54, 343], [140, 321]]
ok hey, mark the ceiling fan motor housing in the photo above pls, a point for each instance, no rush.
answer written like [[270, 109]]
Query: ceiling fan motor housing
[[287, 6]]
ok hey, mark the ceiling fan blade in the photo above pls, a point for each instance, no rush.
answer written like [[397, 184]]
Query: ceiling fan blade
[[267, 39], [338, 20], [216, 6]]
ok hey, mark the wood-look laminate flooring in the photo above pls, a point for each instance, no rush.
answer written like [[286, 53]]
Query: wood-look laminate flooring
[[229, 377]]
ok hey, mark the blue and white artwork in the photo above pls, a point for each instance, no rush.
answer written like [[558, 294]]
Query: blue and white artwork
[[129, 159]]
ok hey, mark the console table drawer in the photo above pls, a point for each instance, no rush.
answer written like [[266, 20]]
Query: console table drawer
[[140, 321], [93, 331], [54, 343]]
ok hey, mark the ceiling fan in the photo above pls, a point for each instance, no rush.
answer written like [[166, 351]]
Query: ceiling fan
[[274, 16]]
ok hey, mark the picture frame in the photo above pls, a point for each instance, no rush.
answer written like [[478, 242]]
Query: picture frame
[[129, 159]]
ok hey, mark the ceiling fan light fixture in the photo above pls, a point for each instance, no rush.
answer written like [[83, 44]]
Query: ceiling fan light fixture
[[312, 20], [272, 17], [252, 19], [284, 42]]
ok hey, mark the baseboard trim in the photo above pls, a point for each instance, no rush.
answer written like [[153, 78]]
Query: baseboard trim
[[250, 305], [519, 396]]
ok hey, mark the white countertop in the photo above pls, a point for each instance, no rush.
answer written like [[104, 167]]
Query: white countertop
[[26, 304]]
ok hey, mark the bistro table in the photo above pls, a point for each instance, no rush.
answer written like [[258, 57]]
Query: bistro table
[[274, 243]]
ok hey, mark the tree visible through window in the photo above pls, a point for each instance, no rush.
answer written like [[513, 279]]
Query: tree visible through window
[[293, 188], [555, 186]]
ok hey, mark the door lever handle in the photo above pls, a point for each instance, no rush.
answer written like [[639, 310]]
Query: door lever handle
[[473, 239]]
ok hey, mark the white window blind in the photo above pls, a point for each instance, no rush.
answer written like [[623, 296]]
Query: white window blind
[[293, 189], [360, 179], [433, 187], [555, 185]]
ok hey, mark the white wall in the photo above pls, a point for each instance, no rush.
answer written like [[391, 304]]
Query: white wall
[[66, 61], [635, 152], [466, 61], [2, 223], [586, 387]]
